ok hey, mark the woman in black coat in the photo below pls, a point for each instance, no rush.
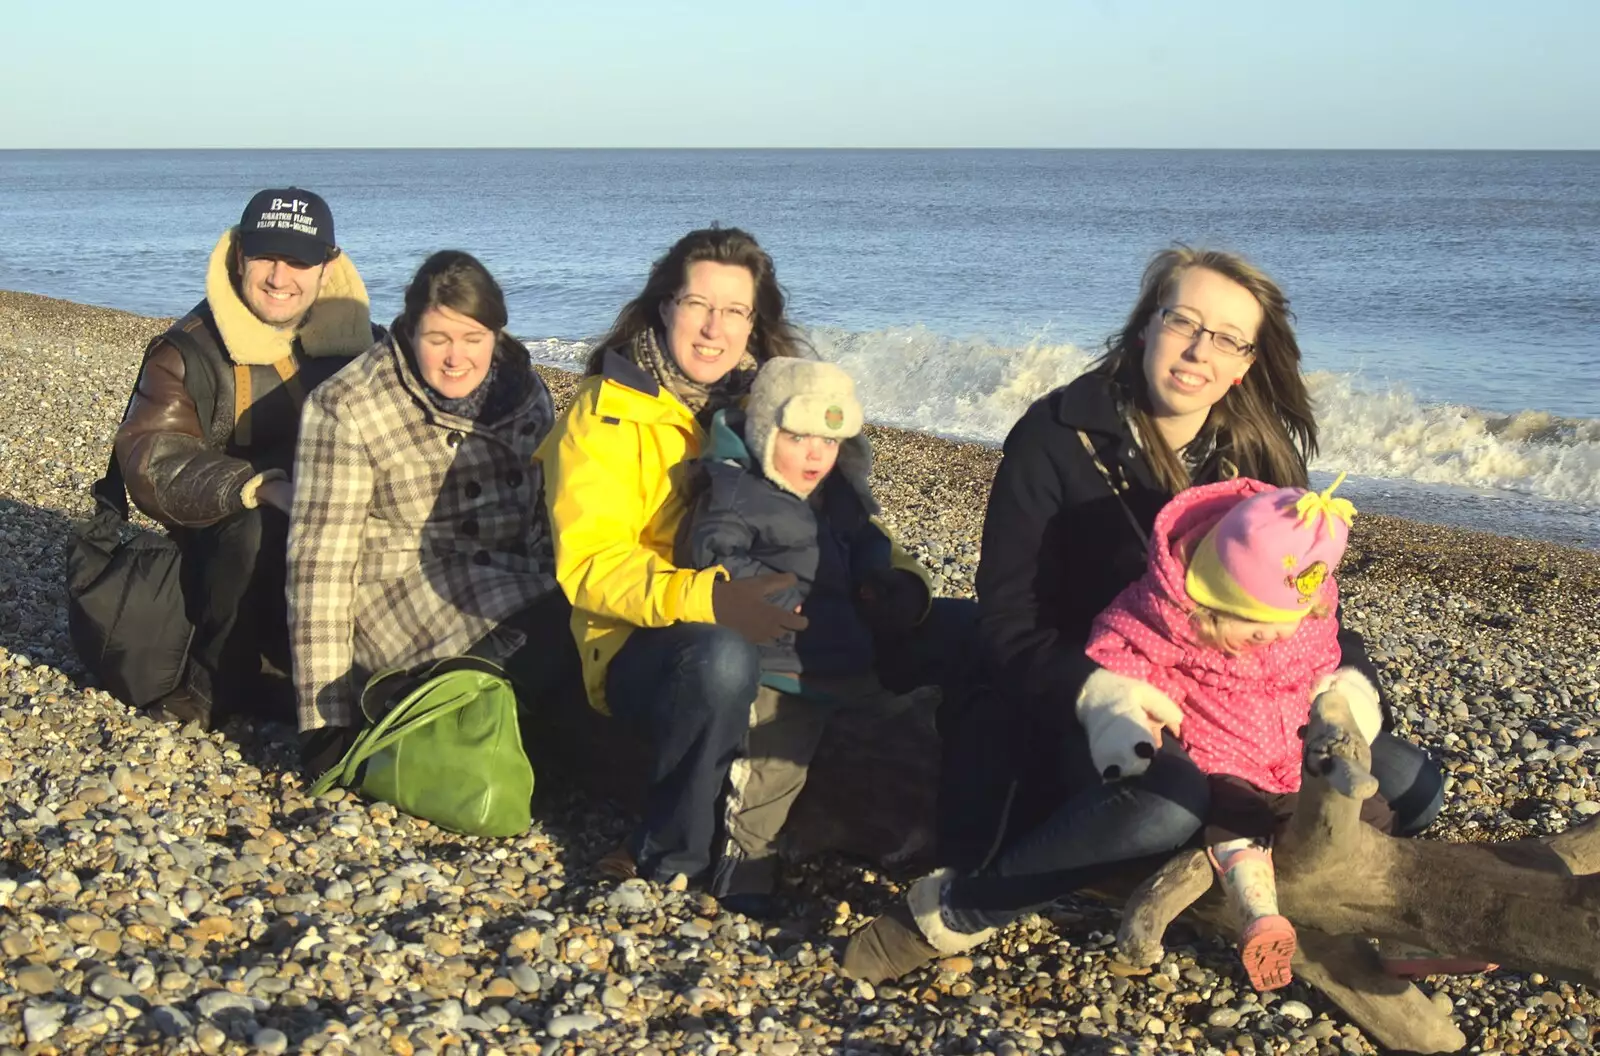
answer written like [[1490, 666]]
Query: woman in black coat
[[1202, 383]]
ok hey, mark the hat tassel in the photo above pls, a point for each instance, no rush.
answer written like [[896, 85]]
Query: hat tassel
[[1314, 505]]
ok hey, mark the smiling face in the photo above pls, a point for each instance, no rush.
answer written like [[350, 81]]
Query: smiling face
[[279, 291], [706, 335], [1187, 376], [803, 461], [454, 351]]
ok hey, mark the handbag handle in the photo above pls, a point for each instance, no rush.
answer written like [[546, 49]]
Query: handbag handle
[[401, 720]]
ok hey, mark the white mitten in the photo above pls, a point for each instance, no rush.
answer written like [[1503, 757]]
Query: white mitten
[[1358, 692], [1123, 718]]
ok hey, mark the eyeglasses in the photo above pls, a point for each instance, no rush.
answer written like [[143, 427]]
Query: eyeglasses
[[1189, 328], [698, 310]]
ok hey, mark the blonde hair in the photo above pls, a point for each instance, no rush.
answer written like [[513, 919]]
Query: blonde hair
[[1264, 425], [1210, 625]]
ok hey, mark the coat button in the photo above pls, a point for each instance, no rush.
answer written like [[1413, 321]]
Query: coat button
[[454, 438], [481, 557], [473, 489], [514, 478], [469, 527]]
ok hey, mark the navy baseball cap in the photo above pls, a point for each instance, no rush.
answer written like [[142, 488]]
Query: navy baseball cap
[[287, 222]]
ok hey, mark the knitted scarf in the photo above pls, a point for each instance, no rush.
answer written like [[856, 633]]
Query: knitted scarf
[[702, 400]]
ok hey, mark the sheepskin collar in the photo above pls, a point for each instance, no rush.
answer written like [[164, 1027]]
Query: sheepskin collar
[[339, 324]]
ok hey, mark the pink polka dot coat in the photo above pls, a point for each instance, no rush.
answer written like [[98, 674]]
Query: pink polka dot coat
[[1241, 714]]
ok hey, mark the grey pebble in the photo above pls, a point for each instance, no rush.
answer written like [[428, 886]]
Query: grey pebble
[[1295, 1010], [561, 1026], [41, 1022], [215, 1002], [106, 986], [447, 1016], [170, 1021], [271, 1041]]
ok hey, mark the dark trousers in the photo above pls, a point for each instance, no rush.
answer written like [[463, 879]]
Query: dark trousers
[[544, 660], [689, 689], [233, 577], [940, 651], [1100, 827]]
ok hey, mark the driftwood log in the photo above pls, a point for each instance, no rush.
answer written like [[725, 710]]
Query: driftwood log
[[1528, 905]]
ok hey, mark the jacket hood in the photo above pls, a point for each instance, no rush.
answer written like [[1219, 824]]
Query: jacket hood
[[1183, 522], [726, 443], [338, 324]]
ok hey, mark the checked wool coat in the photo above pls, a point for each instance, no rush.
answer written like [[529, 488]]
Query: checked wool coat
[[414, 532]]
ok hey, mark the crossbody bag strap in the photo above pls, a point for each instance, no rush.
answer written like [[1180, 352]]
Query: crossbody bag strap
[[1116, 489]]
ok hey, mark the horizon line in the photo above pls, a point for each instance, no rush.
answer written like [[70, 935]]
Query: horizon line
[[786, 149]]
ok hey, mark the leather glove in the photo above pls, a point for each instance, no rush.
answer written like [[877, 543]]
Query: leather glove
[[1123, 718], [1358, 692], [742, 605], [322, 748], [891, 600]]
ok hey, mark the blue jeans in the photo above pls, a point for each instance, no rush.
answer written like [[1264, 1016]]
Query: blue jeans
[[1102, 827], [687, 689]]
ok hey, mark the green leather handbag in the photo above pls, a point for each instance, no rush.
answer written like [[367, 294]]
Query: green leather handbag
[[443, 743]]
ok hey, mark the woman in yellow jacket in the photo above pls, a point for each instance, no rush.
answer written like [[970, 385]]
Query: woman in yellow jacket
[[670, 651]]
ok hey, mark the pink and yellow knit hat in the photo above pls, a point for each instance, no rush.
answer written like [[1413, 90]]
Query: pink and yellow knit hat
[[1267, 558]]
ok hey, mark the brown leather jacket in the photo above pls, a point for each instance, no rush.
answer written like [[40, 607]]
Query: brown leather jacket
[[177, 470], [186, 474]]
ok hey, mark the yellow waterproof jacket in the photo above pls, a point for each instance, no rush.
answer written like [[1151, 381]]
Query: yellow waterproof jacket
[[616, 475]]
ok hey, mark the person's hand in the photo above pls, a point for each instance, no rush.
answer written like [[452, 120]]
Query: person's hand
[[892, 600], [741, 604], [279, 494], [1360, 694], [1123, 718]]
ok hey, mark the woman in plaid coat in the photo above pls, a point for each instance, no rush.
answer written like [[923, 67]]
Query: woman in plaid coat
[[419, 528]]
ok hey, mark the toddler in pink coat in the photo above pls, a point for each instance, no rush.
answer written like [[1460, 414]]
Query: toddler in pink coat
[[1232, 633]]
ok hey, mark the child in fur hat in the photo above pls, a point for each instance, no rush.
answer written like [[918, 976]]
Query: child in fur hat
[[1229, 637], [783, 488]]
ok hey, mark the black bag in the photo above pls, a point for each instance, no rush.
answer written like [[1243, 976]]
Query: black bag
[[125, 611]]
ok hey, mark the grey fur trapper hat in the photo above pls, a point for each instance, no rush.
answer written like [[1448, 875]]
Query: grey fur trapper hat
[[805, 396]]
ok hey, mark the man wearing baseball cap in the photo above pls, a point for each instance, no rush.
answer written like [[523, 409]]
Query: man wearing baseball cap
[[210, 457]]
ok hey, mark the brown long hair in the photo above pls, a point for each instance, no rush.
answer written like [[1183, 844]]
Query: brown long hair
[[1264, 426], [456, 280], [771, 334]]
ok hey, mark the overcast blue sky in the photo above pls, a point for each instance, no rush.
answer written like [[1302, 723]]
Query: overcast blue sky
[[779, 73]]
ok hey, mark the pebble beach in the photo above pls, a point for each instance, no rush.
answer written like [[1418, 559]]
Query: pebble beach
[[165, 889]]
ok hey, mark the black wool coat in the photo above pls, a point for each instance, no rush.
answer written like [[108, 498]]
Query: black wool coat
[[1059, 545]]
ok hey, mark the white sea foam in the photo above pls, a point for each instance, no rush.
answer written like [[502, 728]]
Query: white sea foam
[[972, 390]]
